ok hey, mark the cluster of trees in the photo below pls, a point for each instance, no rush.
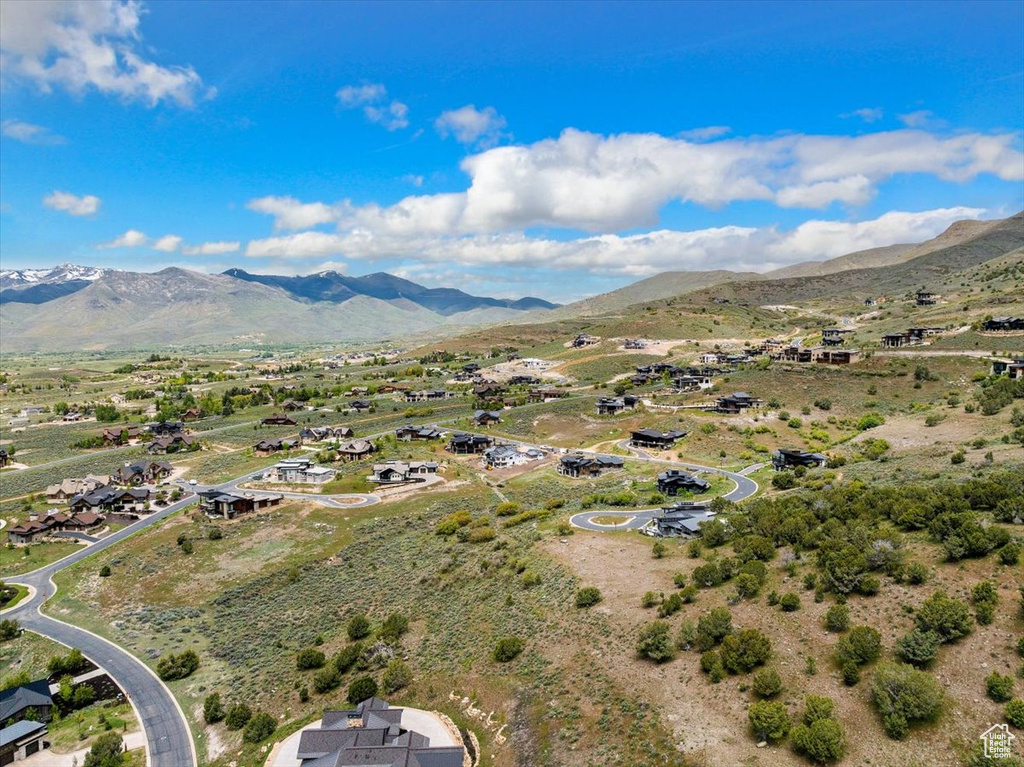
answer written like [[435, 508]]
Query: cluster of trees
[[255, 726], [171, 666]]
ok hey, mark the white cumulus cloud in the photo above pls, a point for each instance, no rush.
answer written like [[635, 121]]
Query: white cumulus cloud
[[168, 243], [867, 114], [72, 204], [133, 238], [372, 98], [27, 133], [470, 125], [84, 44], [290, 213], [212, 248]]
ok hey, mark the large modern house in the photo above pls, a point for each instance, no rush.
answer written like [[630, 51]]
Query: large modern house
[[654, 439], [410, 433], [373, 734], [467, 444], [787, 458], [214, 503], [613, 405], [300, 471], [674, 481], [681, 520], [503, 456], [398, 472], [579, 465]]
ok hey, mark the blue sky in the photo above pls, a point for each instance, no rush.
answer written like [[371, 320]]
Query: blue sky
[[552, 149]]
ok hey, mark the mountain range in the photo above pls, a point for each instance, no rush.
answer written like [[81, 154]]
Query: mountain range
[[77, 307]]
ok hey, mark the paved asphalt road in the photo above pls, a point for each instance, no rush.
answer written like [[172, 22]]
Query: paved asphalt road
[[168, 740]]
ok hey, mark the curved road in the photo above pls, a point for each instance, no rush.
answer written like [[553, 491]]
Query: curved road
[[168, 739]]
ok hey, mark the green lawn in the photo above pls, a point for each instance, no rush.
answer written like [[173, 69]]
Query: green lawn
[[15, 561]]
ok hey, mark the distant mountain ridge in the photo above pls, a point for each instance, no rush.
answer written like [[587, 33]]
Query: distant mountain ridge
[[337, 288]]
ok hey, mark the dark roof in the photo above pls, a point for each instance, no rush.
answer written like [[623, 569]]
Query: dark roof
[[17, 699], [19, 730]]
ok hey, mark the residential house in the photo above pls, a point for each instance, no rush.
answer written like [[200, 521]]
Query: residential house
[[1003, 324], [579, 465], [522, 380], [466, 444], [32, 698], [361, 405], [488, 390], [5, 457], [372, 734], [838, 356], [192, 414], [674, 481], [545, 395], [110, 499], [658, 440], [121, 435], [786, 458], [428, 395], [584, 339], [1014, 369], [410, 433], [503, 456], [291, 405], [397, 472], [680, 520], [72, 416], [356, 450], [150, 472], [736, 402], [613, 405], [321, 433], [834, 336], [72, 486], [21, 740], [31, 410], [84, 520], [896, 340], [163, 428], [635, 343], [300, 471], [470, 367], [278, 419], [486, 417], [172, 443], [227, 505], [268, 446], [926, 298], [689, 383]]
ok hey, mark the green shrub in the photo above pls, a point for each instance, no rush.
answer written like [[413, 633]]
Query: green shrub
[[767, 683], [1014, 713], [747, 585], [670, 605], [861, 646], [1010, 554], [822, 742], [999, 687], [947, 616], [789, 602], [309, 658], [259, 728], [171, 666], [903, 696], [106, 751], [213, 711], [918, 647], [362, 687], [507, 649], [238, 716], [326, 679], [850, 672], [650, 599], [985, 598], [588, 596], [507, 509], [358, 627], [818, 707], [837, 618], [711, 664], [105, 571], [481, 535], [917, 573], [347, 657], [396, 676], [745, 651], [393, 628], [768, 720], [654, 642]]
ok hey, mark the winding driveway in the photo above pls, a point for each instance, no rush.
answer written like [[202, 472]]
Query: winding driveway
[[168, 739]]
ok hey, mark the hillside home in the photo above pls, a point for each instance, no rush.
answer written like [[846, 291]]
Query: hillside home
[[410, 433], [486, 417], [5, 457], [545, 395], [361, 405], [72, 416], [838, 356], [268, 446], [690, 383], [579, 465], [355, 450], [278, 419], [654, 439], [321, 433], [488, 390], [290, 405], [468, 444], [788, 458], [172, 443], [736, 402], [228, 506], [503, 456], [120, 435], [635, 343], [614, 405], [926, 298], [163, 428], [110, 499], [72, 486], [372, 734], [1012, 368], [134, 474], [834, 336], [16, 702], [398, 472], [999, 324], [674, 481], [522, 380], [300, 471], [21, 740], [681, 520], [584, 339], [428, 395]]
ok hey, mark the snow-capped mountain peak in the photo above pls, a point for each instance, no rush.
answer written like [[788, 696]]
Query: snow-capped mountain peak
[[15, 278]]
